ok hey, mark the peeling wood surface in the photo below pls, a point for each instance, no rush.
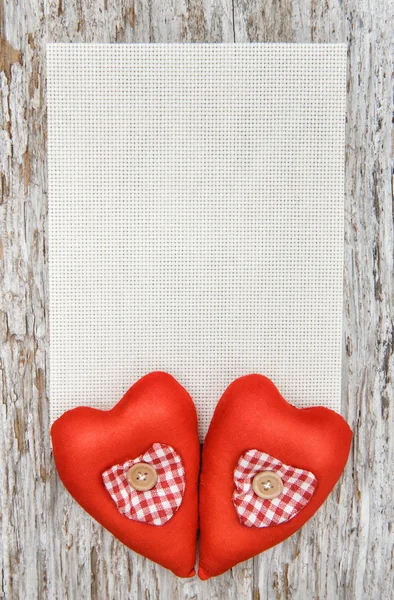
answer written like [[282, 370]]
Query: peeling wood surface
[[49, 547]]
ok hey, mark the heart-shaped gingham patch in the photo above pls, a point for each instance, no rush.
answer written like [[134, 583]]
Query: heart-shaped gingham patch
[[253, 511], [157, 505]]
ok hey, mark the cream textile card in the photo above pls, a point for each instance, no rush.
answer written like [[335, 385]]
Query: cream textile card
[[195, 218]]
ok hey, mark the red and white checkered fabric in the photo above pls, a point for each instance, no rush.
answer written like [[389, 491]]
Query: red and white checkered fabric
[[253, 511], [157, 505]]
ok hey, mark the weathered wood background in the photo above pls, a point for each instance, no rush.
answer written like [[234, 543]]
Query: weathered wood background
[[49, 547]]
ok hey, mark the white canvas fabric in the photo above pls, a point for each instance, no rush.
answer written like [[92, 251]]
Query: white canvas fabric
[[195, 219]]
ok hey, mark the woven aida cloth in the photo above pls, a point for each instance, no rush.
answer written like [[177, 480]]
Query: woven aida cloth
[[157, 505], [195, 219], [253, 511]]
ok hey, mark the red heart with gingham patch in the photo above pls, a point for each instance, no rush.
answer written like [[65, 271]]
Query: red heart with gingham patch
[[256, 435], [154, 423]]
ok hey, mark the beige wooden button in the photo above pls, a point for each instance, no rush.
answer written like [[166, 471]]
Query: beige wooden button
[[267, 485], [142, 477]]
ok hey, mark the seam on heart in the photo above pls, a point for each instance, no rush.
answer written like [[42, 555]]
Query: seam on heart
[[253, 511], [157, 505], [203, 573]]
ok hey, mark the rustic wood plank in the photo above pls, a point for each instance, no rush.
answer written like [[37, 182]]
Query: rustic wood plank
[[49, 547]]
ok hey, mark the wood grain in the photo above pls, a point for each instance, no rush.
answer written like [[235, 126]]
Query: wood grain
[[49, 547]]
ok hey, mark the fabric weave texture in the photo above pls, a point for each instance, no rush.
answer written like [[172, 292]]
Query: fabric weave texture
[[195, 219]]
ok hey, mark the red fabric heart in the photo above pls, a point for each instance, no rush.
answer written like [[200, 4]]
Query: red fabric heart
[[253, 415], [87, 442]]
